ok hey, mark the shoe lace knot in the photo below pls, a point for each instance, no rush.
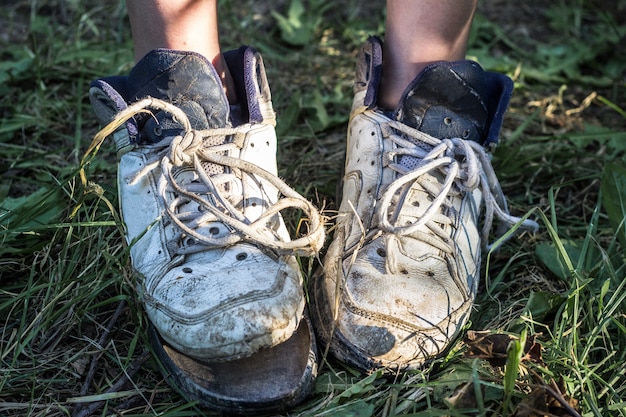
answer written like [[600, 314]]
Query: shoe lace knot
[[460, 166], [200, 185]]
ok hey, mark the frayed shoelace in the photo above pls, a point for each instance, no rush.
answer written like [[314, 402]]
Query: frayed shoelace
[[190, 150], [465, 166]]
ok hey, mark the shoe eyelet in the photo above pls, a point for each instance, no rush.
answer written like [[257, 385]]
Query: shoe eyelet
[[214, 230], [447, 120], [466, 134], [187, 270], [241, 256], [157, 131], [381, 252]]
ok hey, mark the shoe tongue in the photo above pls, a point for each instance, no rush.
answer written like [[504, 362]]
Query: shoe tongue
[[446, 100], [185, 79]]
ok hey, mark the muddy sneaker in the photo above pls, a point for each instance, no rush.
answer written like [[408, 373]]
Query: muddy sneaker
[[401, 274], [202, 204]]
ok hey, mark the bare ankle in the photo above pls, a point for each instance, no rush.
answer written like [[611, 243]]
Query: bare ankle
[[227, 80]]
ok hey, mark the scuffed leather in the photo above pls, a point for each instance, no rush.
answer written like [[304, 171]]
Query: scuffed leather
[[219, 303], [369, 314], [401, 319]]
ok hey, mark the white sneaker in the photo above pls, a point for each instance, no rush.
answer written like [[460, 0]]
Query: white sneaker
[[401, 274], [202, 203]]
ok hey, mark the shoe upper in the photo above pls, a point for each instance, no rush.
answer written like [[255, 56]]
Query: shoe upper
[[202, 203], [402, 271]]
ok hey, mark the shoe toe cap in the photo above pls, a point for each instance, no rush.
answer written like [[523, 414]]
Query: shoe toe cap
[[252, 303], [399, 319]]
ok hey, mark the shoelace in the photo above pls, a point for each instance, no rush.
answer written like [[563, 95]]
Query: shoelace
[[464, 164], [190, 150]]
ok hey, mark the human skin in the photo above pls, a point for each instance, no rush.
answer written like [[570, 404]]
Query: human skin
[[184, 25], [417, 33]]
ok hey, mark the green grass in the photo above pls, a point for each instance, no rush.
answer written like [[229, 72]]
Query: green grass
[[73, 336]]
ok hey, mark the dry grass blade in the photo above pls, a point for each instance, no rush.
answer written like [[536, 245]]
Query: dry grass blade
[[96, 401], [73, 332]]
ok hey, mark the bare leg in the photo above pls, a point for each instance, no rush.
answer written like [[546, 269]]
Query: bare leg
[[184, 25], [420, 32]]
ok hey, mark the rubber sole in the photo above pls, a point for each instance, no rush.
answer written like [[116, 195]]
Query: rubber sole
[[329, 338], [271, 380]]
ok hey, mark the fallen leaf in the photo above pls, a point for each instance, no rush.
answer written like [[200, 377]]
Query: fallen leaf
[[543, 402], [534, 405], [486, 345], [493, 347], [80, 365], [532, 350], [557, 407], [464, 397]]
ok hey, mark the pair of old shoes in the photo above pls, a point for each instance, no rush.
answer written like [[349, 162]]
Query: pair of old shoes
[[218, 270]]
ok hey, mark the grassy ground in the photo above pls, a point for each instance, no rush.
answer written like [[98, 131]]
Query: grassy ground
[[73, 336]]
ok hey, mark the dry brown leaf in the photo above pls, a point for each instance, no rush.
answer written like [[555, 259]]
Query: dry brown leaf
[[547, 401], [493, 347], [464, 397], [534, 405], [532, 350], [559, 401]]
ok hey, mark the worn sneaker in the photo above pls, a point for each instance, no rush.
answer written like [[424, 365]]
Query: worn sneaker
[[202, 203], [401, 274]]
